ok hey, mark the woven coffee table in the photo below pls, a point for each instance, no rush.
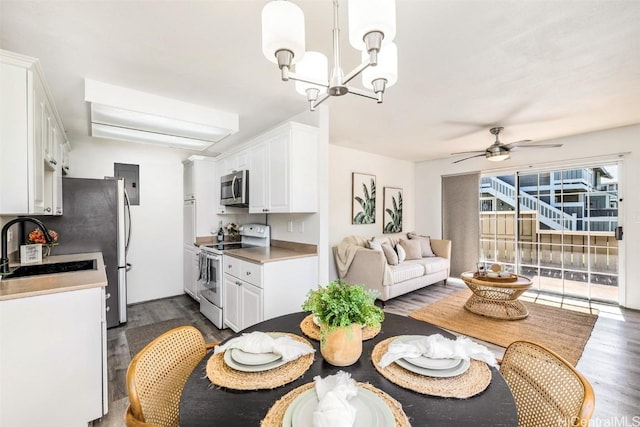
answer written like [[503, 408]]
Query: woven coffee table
[[496, 298]]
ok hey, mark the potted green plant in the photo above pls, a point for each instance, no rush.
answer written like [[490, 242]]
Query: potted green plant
[[342, 310]]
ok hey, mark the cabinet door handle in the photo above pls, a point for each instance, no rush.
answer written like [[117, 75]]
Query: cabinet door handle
[[248, 273], [108, 295], [108, 308], [47, 209], [53, 162]]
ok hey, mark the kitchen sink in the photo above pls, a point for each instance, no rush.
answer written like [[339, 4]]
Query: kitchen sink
[[58, 267]]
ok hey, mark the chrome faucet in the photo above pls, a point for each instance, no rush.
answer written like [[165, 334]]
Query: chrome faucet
[[4, 260]]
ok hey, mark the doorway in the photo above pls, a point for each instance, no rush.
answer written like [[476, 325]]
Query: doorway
[[556, 227]]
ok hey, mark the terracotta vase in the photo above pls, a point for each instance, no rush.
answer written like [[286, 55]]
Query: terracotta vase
[[341, 346]]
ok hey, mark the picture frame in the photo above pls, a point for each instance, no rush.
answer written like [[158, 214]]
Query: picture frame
[[392, 210], [363, 198]]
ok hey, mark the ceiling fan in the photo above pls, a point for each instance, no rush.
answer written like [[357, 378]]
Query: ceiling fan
[[498, 151]]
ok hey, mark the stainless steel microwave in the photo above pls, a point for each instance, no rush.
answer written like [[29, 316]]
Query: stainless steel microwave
[[234, 189]]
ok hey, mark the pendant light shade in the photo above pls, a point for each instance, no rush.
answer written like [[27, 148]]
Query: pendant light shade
[[372, 30], [282, 29], [387, 67], [366, 16], [313, 66]]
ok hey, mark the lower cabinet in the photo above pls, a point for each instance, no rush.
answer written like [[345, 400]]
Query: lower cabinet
[[255, 292], [242, 303], [190, 271], [53, 359]]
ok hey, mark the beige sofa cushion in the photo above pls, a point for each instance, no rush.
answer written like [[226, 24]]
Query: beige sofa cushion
[[433, 264], [425, 243], [390, 254], [412, 248], [406, 270]]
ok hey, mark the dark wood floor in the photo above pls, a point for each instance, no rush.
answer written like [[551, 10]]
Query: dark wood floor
[[611, 360]]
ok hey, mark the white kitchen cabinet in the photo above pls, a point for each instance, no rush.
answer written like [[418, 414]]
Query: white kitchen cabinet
[[234, 162], [283, 176], [255, 292], [190, 271], [199, 185], [30, 135], [53, 359], [242, 292]]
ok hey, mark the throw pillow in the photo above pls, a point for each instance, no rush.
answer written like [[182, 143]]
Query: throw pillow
[[412, 248], [402, 255], [390, 254], [374, 244], [425, 244]]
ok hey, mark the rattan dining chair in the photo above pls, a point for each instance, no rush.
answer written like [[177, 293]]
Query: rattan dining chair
[[157, 374], [547, 389]]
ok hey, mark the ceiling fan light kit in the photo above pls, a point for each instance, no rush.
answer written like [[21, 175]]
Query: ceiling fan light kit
[[372, 28], [498, 151]]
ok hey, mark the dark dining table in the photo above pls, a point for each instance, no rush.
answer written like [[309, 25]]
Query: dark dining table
[[204, 404]]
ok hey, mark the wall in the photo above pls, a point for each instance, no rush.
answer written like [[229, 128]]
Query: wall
[[156, 242], [602, 145], [389, 172]]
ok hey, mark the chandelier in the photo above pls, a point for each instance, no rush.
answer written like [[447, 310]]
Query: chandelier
[[372, 28]]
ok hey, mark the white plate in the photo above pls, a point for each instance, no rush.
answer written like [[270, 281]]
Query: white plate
[[246, 358], [250, 368], [427, 362], [439, 373], [433, 364], [372, 411]]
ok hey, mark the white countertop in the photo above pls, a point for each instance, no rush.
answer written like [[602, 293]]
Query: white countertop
[[58, 282]]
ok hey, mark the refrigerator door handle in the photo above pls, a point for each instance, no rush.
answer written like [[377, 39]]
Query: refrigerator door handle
[[127, 205], [128, 267]]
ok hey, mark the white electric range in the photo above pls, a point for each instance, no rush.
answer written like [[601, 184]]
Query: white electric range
[[210, 288]]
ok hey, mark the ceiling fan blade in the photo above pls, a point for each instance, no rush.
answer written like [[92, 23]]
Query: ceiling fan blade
[[467, 152], [467, 158], [538, 146], [515, 144]]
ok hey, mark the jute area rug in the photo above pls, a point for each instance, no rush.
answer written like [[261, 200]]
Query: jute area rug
[[564, 331], [140, 336]]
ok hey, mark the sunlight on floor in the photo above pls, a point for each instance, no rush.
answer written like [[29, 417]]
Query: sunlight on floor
[[604, 310]]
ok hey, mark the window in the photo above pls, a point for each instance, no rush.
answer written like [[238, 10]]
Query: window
[[565, 243]]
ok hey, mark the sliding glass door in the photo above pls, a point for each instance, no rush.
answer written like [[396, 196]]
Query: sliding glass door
[[557, 227]]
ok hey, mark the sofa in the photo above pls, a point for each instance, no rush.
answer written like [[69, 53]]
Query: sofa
[[391, 265]]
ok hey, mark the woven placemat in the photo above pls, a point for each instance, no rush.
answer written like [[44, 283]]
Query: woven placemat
[[222, 375], [310, 329], [475, 380], [275, 414]]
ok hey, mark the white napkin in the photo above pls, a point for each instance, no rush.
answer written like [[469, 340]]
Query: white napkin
[[334, 393], [438, 347], [260, 342]]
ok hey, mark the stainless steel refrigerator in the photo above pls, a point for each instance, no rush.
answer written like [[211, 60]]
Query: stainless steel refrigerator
[[96, 218]]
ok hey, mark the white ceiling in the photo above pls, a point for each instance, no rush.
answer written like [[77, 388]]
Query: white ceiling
[[541, 69]]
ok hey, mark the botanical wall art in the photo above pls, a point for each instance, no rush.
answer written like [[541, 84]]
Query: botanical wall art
[[392, 215], [363, 203]]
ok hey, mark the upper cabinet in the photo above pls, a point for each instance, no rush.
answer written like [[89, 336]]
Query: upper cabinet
[[283, 173], [32, 140]]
